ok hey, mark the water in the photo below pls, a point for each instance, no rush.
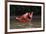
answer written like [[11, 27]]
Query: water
[[35, 23]]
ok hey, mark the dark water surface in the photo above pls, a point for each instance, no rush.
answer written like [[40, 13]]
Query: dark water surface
[[35, 23]]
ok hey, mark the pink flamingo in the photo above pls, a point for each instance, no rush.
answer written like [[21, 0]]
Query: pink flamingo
[[25, 17]]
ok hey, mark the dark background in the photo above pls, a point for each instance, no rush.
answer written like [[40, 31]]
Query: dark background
[[16, 10]]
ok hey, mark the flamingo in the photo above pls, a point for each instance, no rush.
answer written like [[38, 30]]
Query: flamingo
[[25, 17]]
